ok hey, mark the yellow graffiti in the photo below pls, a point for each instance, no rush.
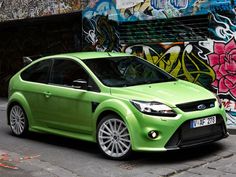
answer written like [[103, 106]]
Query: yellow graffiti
[[188, 55], [177, 62]]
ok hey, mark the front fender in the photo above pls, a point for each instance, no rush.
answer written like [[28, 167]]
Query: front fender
[[122, 109], [19, 98]]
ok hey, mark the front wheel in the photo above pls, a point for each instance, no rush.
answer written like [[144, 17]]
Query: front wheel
[[18, 120], [113, 137]]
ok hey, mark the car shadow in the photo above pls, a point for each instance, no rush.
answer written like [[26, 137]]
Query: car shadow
[[64, 142], [199, 153], [167, 157]]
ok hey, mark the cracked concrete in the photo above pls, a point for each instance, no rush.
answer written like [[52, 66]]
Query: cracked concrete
[[223, 166], [36, 167]]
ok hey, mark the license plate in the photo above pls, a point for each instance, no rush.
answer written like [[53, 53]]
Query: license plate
[[203, 122]]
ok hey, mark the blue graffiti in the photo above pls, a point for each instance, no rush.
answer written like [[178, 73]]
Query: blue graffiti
[[221, 5], [161, 4], [158, 4], [179, 4], [155, 9], [105, 8]]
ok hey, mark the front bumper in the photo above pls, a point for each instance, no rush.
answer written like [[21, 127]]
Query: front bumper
[[175, 133], [185, 136]]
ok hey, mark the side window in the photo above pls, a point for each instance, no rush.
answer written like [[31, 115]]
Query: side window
[[39, 72], [64, 72]]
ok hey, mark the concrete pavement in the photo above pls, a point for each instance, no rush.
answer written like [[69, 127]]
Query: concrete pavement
[[219, 161]]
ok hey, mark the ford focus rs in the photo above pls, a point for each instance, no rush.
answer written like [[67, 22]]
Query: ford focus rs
[[120, 101]]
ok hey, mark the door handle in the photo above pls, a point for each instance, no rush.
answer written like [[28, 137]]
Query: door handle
[[47, 94]]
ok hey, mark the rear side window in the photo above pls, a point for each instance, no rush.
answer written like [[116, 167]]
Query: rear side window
[[65, 71], [39, 72]]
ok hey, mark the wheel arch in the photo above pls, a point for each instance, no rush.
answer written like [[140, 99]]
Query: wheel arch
[[118, 108], [18, 98], [105, 113]]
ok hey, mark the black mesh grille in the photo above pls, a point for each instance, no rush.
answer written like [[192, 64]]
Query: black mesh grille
[[188, 28], [196, 106], [186, 136]]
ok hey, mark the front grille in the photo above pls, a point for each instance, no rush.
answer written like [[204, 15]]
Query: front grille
[[197, 105], [186, 136]]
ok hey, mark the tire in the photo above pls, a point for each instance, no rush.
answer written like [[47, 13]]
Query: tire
[[18, 121], [113, 138]]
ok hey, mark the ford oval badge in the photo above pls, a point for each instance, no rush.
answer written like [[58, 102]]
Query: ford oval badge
[[201, 106]]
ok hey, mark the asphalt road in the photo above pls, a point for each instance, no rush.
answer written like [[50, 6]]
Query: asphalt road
[[51, 156]]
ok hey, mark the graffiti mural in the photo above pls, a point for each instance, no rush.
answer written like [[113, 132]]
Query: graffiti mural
[[223, 61], [133, 10], [215, 71], [179, 59], [222, 58], [210, 63], [222, 28], [100, 34], [160, 4], [230, 106], [122, 10], [102, 7]]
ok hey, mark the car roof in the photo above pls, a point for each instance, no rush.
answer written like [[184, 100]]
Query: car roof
[[91, 55]]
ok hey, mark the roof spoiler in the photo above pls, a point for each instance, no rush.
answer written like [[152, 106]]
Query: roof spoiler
[[29, 59]]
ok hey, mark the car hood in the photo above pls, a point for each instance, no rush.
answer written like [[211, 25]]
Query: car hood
[[170, 93]]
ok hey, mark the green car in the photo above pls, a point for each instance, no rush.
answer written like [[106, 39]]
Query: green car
[[118, 100]]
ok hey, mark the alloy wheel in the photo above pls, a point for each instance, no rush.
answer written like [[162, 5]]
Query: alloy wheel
[[17, 120], [113, 138]]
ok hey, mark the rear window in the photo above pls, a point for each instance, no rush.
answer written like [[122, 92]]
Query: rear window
[[39, 72]]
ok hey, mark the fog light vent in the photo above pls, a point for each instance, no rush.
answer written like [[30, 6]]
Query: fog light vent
[[153, 134]]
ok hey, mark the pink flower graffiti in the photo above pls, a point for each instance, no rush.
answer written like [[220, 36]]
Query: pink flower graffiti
[[223, 62]]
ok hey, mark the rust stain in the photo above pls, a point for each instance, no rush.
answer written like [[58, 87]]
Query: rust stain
[[6, 158], [8, 166]]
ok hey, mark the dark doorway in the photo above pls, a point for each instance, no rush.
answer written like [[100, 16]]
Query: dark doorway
[[36, 37]]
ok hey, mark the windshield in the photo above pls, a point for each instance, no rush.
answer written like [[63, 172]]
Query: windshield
[[126, 71]]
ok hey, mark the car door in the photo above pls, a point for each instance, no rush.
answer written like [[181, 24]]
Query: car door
[[35, 82], [69, 108]]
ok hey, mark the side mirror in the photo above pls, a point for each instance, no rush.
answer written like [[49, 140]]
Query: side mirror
[[80, 84]]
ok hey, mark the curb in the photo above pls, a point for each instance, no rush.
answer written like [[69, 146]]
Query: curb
[[232, 131], [3, 104], [2, 107]]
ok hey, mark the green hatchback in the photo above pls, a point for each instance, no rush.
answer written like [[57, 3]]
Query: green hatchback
[[120, 101]]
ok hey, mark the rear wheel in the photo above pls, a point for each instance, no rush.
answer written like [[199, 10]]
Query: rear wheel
[[113, 137], [18, 120]]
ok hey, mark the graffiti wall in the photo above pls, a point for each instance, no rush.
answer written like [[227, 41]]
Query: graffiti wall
[[222, 58], [19, 9], [210, 63]]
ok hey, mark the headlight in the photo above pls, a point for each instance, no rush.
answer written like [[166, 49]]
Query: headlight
[[154, 108]]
